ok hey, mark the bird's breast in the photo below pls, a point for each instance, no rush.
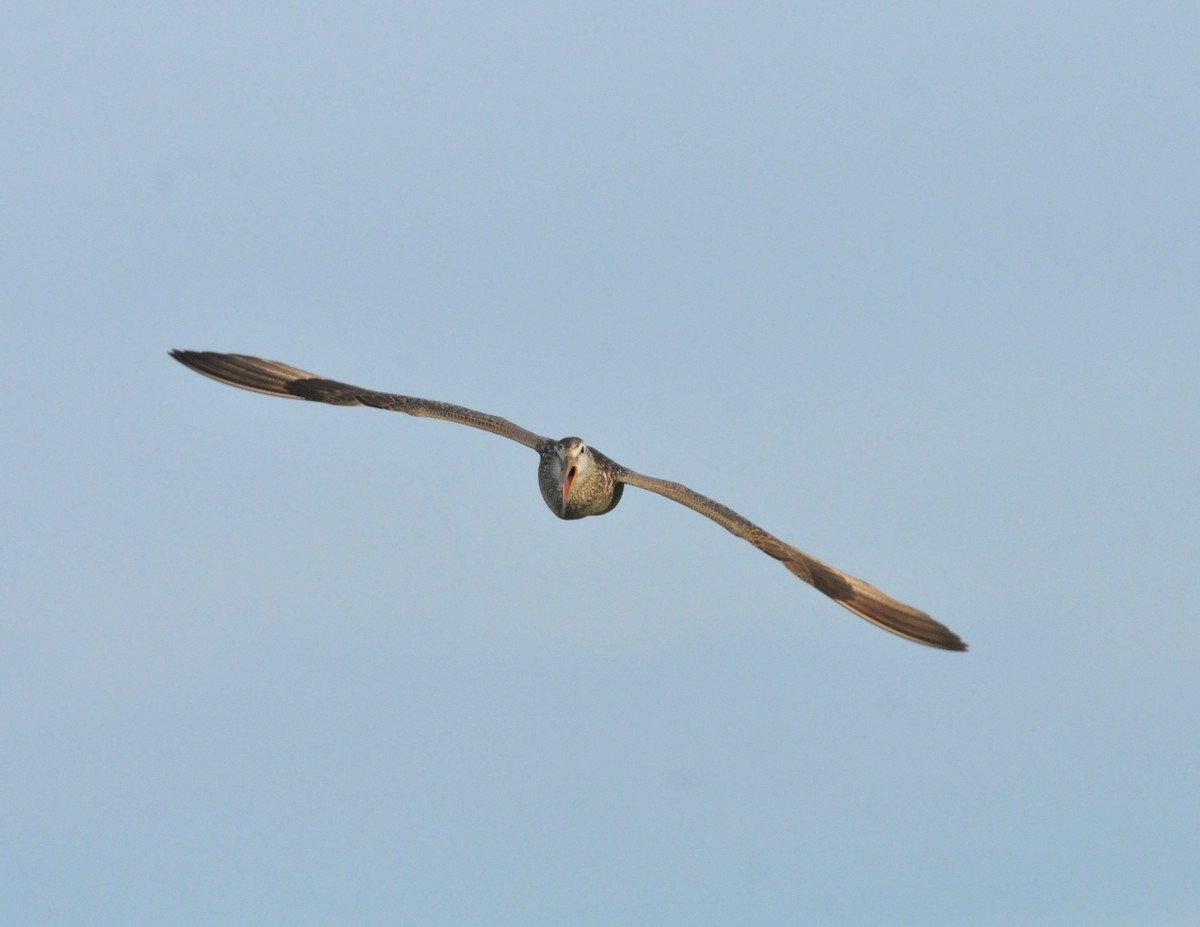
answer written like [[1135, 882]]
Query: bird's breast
[[593, 493]]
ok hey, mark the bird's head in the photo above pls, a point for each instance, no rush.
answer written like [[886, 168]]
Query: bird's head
[[573, 459]]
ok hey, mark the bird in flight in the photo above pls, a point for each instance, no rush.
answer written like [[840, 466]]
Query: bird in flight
[[577, 480]]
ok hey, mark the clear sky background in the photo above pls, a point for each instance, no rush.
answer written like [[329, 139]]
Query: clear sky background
[[915, 286]]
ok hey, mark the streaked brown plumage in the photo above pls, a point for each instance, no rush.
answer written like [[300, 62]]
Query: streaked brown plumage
[[577, 481]]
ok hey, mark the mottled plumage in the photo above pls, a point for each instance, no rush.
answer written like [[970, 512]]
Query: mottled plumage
[[577, 481]]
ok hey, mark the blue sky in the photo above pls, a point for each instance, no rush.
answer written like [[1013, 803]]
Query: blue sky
[[915, 287]]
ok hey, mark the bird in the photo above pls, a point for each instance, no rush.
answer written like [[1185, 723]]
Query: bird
[[578, 481]]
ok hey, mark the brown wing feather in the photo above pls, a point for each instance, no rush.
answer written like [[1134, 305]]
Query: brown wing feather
[[860, 597], [276, 379]]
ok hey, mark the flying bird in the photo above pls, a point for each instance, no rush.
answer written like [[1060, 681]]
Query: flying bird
[[577, 481]]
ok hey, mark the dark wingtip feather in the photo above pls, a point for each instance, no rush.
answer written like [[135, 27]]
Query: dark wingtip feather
[[880, 609], [905, 621], [252, 373]]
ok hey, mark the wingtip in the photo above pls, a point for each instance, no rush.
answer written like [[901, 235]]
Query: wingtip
[[943, 639], [948, 640], [950, 643], [187, 358]]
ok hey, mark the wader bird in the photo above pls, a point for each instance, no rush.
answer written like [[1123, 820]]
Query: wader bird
[[577, 481]]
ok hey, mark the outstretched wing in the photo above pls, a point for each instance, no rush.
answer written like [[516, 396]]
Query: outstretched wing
[[861, 598], [276, 379]]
